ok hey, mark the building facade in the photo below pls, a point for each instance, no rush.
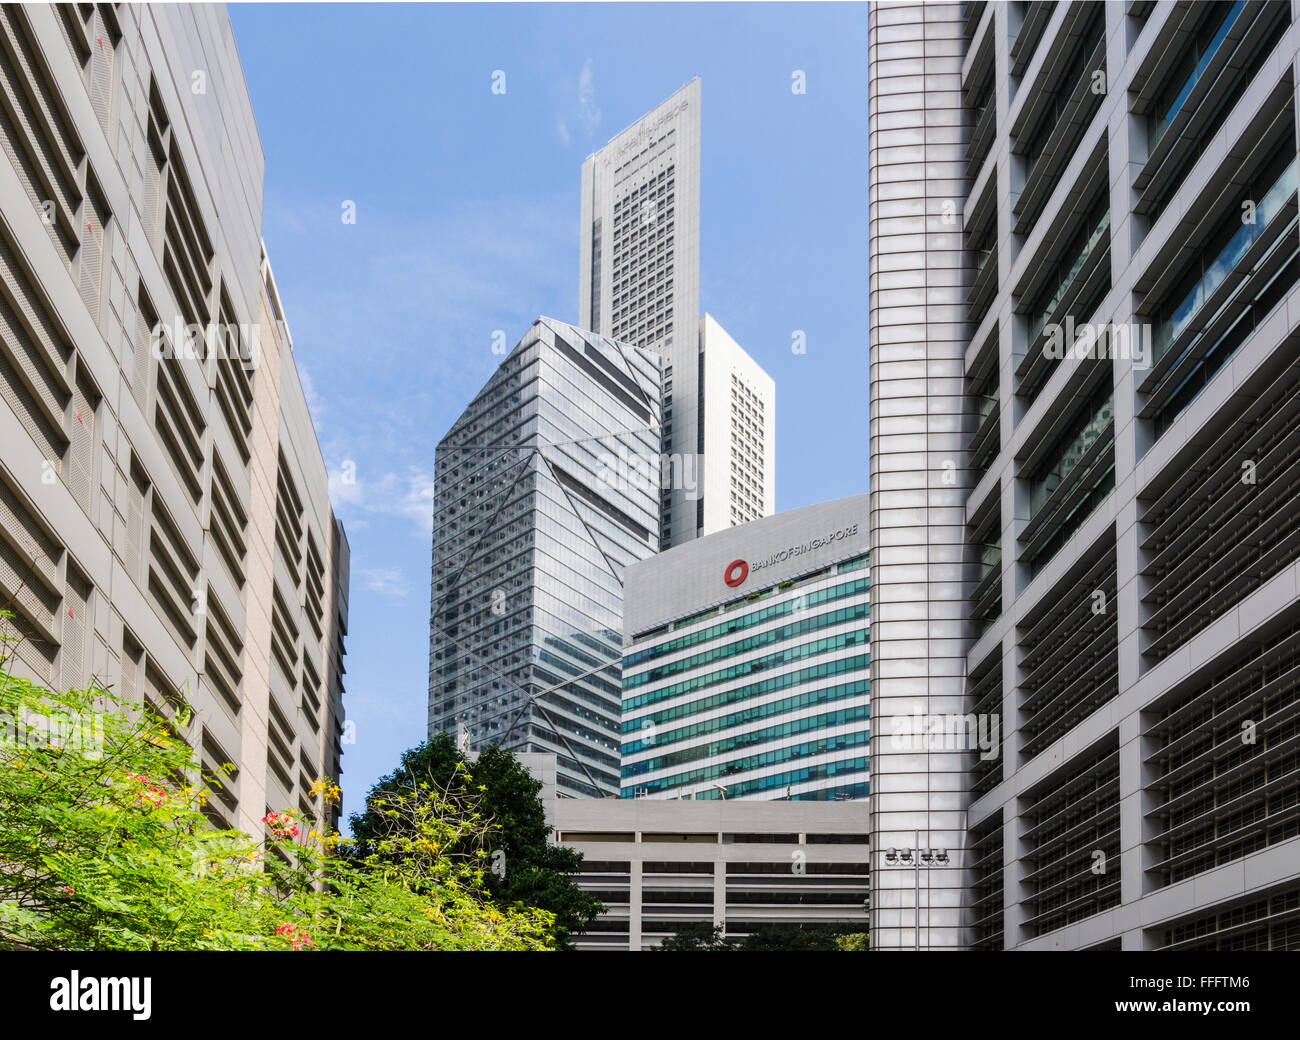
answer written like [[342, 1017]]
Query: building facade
[[736, 410], [919, 481], [165, 526], [1084, 236], [545, 490], [639, 283], [659, 866], [746, 662]]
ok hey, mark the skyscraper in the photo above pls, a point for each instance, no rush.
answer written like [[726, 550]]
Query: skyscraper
[[745, 667], [918, 478], [545, 489], [1084, 239], [639, 241], [639, 283], [165, 524]]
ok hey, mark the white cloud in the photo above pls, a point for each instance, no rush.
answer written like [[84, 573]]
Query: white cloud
[[406, 495], [587, 110], [315, 406], [387, 581], [562, 129]]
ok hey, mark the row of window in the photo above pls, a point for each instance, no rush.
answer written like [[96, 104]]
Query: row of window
[[857, 612]]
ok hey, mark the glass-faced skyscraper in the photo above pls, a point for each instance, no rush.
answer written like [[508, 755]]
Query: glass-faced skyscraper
[[544, 491]]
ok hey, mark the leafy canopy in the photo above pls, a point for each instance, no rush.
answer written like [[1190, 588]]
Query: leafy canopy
[[768, 938], [105, 845], [525, 868]]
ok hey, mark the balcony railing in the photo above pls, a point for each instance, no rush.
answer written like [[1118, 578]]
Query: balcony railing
[[1221, 267], [1160, 124], [1099, 232], [1204, 98]]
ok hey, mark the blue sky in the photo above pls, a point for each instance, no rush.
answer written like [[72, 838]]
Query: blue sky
[[466, 222]]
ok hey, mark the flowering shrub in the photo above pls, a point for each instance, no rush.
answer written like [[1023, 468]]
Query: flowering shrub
[[298, 939], [151, 793], [281, 825], [114, 851]]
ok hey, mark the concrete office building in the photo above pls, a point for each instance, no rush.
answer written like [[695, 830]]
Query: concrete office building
[[746, 663], [545, 489], [1084, 308], [639, 283], [658, 866], [165, 525]]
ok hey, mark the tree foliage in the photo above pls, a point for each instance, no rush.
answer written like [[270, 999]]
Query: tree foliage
[[525, 867], [768, 938], [105, 845]]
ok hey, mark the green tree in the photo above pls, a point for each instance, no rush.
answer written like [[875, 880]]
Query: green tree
[[105, 845], [808, 938], [768, 938], [524, 866], [696, 938]]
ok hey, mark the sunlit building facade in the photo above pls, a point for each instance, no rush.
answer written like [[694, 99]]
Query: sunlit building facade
[[639, 284], [746, 664], [1085, 293], [165, 523], [545, 490]]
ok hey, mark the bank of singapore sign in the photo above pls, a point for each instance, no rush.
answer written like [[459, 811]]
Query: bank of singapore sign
[[738, 570]]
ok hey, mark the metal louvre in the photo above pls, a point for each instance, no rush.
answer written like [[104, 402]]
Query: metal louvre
[[36, 131], [1068, 495], [1202, 112], [80, 462], [1083, 104], [1030, 34], [1073, 816], [1268, 923], [1070, 662], [1216, 535], [1225, 759], [988, 884], [36, 353]]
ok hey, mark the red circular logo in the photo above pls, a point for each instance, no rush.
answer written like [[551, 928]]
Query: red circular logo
[[736, 573]]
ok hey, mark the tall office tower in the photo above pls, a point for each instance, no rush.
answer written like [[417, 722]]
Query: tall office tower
[[1124, 190], [919, 272], [639, 283], [736, 412], [746, 663], [164, 519], [545, 489]]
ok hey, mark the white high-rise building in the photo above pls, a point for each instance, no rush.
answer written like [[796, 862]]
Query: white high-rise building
[[746, 663], [736, 410], [1090, 550], [639, 283]]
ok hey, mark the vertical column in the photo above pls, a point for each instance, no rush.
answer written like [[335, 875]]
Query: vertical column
[[1127, 149], [919, 479], [634, 900], [264, 444], [720, 891]]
